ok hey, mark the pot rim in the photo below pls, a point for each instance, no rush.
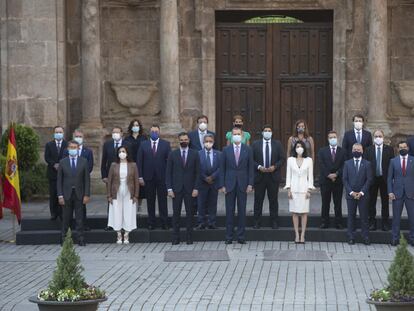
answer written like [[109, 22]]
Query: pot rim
[[34, 299], [389, 303]]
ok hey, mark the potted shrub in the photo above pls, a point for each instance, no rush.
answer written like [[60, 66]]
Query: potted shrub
[[68, 290], [399, 294]]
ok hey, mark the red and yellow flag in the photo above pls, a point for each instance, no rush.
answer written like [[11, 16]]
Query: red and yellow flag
[[11, 185]]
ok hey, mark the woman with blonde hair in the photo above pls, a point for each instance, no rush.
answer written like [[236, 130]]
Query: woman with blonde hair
[[301, 133]]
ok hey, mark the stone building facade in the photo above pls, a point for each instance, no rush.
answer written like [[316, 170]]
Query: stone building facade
[[94, 64]]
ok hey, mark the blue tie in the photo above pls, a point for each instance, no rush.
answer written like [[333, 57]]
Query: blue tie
[[358, 137], [378, 170], [356, 165], [208, 163], [267, 162], [73, 166]]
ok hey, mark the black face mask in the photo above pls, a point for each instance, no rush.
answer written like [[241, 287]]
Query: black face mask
[[239, 126], [184, 145], [403, 152], [356, 154]]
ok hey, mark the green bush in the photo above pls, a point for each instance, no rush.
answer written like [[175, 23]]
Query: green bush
[[33, 182], [27, 142]]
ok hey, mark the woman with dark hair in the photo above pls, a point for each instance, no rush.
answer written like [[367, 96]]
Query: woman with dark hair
[[123, 191], [238, 122], [299, 183], [301, 133]]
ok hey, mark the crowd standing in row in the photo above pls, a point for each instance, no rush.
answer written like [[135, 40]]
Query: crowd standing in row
[[140, 166]]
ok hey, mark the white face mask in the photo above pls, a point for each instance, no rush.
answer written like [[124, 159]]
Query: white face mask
[[237, 138], [79, 140], [208, 146], [202, 126], [358, 125], [267, 135], [299, 150], [122, 155], [379, 140], [116, 136]]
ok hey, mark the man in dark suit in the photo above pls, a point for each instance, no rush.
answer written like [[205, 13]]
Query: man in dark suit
[[401, 191], [86, 153], [380, 156], [356, 135], [182, 178], [268, 157], [209, 184], [109, 155], [73, 188], [197, 136], [54, 152], [410, 143], [237, 177], [357, 178], [331, 161], [152, 164]]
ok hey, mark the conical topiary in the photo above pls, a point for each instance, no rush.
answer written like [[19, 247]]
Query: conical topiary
[[401, 272]]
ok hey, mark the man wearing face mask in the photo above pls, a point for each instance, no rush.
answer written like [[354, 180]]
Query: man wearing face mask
[[401, 191], [109, 154], [380, 156], [152, 165], [182, 179], [73, 189], [268, 157], [209, 184], [331, 161], [197, 136], [237, 178], [356, 135], [54, 152], [357, 178]]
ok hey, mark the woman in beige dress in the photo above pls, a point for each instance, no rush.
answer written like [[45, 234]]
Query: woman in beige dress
[[299, 183], [301, 133]]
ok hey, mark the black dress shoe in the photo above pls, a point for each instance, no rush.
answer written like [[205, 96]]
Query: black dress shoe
[[395, 242], [256, 226], [86, 228], [200, 227], [372, 227], [228, 242], [189, 242], [367, 242], [81, 243], [324, 226], [212, 227], [175, 242], [339, 226], [385, 227], [351, 242], [109, 228], [275, 226], [241, 241], [151, 227], [163, 227]]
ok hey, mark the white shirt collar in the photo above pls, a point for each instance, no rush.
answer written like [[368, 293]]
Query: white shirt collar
[[236, 146], [265, 141], [359, 159], [333, 147], [155, 141], [184, 149]]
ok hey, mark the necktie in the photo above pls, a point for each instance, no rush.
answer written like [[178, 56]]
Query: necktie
[[154, 148], [378, 168], [58, 147], [237, 154], [333, 153], [202, 134], [116, 146], [73, 166], [403, 167], [183, 157], [208, 163], [359, 137], [267, 162], [357, 165]]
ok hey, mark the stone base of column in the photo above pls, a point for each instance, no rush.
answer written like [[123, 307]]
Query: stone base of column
[[170, 132]]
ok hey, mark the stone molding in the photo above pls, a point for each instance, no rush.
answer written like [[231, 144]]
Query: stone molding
[[130, 3], [405, 92]]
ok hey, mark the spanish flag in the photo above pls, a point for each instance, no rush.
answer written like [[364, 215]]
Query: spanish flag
[[11, 185]]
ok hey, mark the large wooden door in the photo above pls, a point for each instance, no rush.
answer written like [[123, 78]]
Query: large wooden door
[[277, 74]]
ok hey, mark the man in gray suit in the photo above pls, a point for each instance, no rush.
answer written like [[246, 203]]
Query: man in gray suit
[[73, 188]]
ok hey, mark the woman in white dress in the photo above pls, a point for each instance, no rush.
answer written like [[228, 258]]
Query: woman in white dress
[[299, 183], [123, 192]]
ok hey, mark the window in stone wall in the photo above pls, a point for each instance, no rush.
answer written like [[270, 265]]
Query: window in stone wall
[[273, 19]]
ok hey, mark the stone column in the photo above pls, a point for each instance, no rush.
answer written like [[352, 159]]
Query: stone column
[[169, 58], [378, 84]]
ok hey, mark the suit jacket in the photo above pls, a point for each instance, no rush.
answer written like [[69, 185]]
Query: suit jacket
[[195, 140], [327, 166], [87, 154], [349, 140], [66, 180], [277, 158], [134, 144], [109, 155], [397, 183], [215, 168], [52, 156], [299, 179], [183, 178], [114, 180], [387, 155], [241, 174], [410, 142], [357, 182], [153, 167]]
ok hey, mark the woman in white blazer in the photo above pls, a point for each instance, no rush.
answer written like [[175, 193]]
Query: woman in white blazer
[[299, 183]]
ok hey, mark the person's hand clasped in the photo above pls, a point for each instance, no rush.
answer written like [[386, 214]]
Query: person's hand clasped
[[290, 196], [249, 189], [195, 193], [391, 196], [171, 194], [61, 201]]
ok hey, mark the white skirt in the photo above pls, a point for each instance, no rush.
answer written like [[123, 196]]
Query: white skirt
[[299, 204], [123, 211]]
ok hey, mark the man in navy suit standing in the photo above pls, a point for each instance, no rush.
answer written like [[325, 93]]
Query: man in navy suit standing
[[182, 179], [209, 184], [356, 135], [152, 163], [357, 178], [197, 136], [401, 191], [54, 152], [237, 177]]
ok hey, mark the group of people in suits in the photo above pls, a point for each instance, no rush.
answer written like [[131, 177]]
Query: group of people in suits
[[144, 166]]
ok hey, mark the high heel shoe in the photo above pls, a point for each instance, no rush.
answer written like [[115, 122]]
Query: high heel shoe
[[119, 239], [126, 238]]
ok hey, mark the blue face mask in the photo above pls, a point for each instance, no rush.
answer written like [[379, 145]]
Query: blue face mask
[[333, 141], [154, 135], [135, 129], [58, 136], [73, 152]]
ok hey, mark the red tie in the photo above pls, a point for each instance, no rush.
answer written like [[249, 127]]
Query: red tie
[[154, 148], [403, 167]]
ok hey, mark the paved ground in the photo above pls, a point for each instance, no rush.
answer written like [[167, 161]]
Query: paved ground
[[137, 278]]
